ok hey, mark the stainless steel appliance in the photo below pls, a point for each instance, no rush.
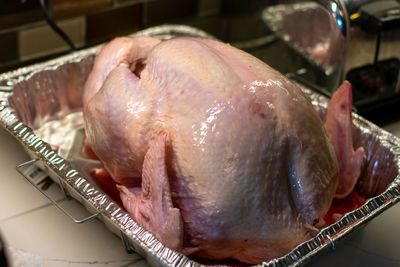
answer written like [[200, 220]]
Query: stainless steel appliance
[[354, 40]]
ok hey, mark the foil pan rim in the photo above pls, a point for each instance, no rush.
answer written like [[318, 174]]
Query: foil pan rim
[[141, 239]]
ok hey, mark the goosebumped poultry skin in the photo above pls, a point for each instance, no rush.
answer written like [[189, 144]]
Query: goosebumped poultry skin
[[215, 153]]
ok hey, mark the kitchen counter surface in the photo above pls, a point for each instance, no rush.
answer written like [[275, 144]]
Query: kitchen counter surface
[[38, 234]]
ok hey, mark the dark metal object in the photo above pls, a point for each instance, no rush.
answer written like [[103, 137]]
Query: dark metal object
[[375, 85], [353, 6]]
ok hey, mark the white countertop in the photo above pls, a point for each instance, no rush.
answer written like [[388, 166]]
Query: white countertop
[[38, 234]]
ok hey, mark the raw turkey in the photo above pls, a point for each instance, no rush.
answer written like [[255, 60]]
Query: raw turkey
[[214, 152]]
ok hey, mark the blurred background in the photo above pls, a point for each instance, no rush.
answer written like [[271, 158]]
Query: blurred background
[[25, 35], [318, 43]]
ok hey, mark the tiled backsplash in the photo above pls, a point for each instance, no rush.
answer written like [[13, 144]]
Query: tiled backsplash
[[25, 37], [41, 40]]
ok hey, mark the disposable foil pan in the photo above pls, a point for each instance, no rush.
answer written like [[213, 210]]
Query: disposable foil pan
[[33, 96]]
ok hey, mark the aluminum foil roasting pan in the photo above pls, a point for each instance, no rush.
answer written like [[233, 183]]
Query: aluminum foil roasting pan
[[49, 94]]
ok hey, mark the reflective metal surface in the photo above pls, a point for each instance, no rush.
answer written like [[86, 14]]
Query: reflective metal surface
[[316, 29]]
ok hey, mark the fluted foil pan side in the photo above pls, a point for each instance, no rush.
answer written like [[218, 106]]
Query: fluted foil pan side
[[36, 94]]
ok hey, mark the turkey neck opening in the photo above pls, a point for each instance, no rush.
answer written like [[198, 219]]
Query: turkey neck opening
[[136, 66]]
